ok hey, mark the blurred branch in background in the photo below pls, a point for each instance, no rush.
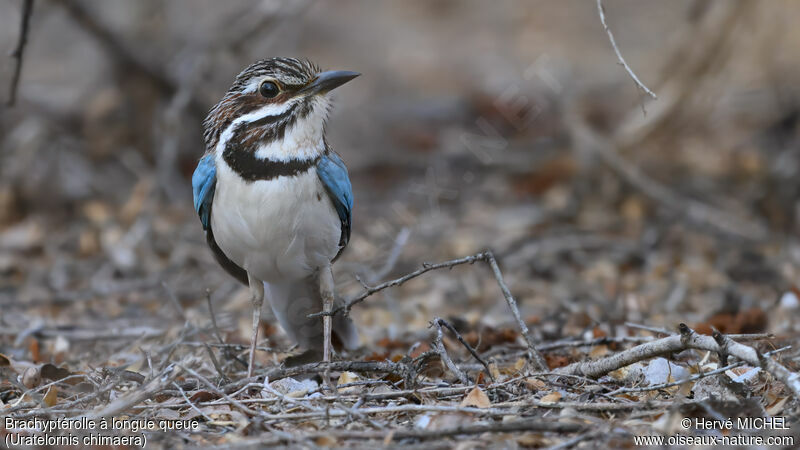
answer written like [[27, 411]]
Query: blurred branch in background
[[639, 84], [706, 46], [713, 54], [126, 59], [19, 50]]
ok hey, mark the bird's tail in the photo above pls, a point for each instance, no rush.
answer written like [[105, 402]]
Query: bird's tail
[[291, 304]]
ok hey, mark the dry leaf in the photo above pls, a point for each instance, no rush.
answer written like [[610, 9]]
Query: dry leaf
[[494, 370], [346, 378], [31, 377], [51, 372], [51, 397], [598, 351], [555, 361], [389, 437], [535, 384], [325, 441], [476, 398], [551, 398], [4, 360], [777, 407], [203, 396]]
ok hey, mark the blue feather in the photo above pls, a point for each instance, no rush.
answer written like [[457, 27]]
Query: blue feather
[[204, 181], [333, 174]]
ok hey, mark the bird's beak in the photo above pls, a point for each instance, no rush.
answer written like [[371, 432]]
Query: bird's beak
[[328, 81]]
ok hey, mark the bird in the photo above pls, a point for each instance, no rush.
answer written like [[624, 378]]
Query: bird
[[275, 201]]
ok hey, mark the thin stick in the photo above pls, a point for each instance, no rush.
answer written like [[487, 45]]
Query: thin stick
[[469, 348], [19, 50], [426, 267], [488, 257], [648, 328], [216, 364], [398, 369], [133, 398], [533, 354], [437, 322], [639, 84], [189, 402], [222, 394]]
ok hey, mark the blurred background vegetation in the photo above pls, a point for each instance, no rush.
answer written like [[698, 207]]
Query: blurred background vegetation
[[507, 125]]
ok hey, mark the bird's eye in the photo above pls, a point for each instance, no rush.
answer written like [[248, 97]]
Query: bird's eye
[[269, 89]]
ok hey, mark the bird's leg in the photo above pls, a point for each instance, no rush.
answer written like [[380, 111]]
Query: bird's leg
[[257, 292], [326, 289]]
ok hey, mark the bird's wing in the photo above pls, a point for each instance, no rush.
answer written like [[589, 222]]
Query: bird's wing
[[204, 182], [333, 174]]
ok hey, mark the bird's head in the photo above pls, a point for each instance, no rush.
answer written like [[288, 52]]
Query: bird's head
[[275, 108]]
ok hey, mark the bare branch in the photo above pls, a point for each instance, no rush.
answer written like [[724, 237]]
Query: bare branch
[[533, 354], [488, 257], [133, 398], [439, 346], [687, 339], [19, 50], [639, 84], [696, 377], [124, 57], [695, 211], [397, 282], [466, 345]]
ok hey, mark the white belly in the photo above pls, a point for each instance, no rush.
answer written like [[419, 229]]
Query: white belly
[[278, 230]]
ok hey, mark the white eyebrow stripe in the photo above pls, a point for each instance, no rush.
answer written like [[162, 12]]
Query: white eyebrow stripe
[[252, 86], [270, 110]]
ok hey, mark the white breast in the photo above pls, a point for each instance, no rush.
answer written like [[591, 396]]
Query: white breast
[[278, 230]]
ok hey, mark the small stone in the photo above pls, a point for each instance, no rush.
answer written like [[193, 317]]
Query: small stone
[[789, 300]]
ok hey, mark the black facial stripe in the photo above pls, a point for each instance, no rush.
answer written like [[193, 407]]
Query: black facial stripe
[[272, 128], [250, 168], [240, 150], [267, 120]]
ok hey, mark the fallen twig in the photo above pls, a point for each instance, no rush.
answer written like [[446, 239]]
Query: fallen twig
[[657, 387], [466, 345], [398, 369], [137, 396], [439, 346], [687, 339], [220, 392], [533, 354]]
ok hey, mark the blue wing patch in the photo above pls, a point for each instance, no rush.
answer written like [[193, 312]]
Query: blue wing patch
[[204, 181], [333, 174]]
